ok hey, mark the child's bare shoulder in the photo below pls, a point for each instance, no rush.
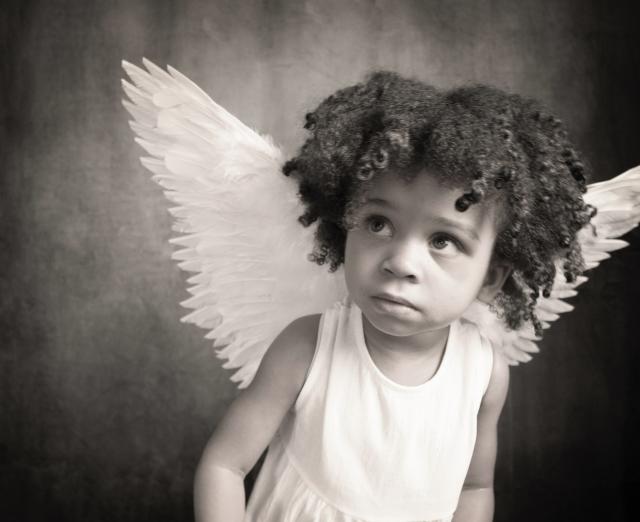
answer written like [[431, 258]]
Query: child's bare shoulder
[[298, 340], [291, 353]]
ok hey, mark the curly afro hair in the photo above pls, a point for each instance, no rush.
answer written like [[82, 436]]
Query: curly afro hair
[[487, 142]]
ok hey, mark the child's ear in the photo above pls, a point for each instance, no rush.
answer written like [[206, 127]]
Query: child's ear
[[493, 281]]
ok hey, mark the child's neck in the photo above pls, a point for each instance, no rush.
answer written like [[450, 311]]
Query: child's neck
[[410, 360]]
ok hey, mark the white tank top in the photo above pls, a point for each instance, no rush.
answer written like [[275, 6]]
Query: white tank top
[[359, 446]]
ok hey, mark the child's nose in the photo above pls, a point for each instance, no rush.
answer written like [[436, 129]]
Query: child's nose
[[403, 262]]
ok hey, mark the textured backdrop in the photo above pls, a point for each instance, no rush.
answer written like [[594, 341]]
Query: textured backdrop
[[106, 400]]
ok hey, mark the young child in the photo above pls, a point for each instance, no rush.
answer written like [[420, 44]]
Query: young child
[[384, 407]]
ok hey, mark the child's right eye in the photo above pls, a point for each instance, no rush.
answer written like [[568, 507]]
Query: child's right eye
[[378, 225]]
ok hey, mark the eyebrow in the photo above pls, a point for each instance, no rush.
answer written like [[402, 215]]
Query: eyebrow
[[467, 229], [463, 227]]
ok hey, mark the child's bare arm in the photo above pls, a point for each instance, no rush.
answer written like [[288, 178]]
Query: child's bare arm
[[250, 423], [476, 500]]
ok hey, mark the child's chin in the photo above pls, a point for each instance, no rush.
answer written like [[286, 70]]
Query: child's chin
[[397, 325]]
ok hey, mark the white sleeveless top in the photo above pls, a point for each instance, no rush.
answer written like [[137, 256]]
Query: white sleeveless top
[[357, 446]]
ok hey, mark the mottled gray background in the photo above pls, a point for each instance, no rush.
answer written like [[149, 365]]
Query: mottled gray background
[[106, 400]]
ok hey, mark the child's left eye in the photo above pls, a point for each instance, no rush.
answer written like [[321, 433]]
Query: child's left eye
[[445, 244]]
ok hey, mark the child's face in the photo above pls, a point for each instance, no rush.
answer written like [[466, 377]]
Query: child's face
[[410, 243]]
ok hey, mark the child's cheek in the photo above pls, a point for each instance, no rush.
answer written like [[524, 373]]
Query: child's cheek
[[360, 257]]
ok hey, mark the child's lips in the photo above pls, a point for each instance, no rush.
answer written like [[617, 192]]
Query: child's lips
[[394, 301]]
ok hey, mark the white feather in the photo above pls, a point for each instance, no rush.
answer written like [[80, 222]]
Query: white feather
[[618, 203], [237, 214]]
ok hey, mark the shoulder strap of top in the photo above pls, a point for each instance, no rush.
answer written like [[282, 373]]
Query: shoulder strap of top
[[488, 356], [327, 331], [478, 360]]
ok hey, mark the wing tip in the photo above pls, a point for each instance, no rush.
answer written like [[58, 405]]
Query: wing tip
[[130, 68]]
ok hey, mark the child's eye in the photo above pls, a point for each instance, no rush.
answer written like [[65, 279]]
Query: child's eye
[[446, 244], [378, 225]]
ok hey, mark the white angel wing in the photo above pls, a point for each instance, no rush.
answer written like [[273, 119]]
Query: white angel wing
[[618, 204], [237, 214]]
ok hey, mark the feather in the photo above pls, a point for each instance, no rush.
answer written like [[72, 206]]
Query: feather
[[618, 211], [236, 215]]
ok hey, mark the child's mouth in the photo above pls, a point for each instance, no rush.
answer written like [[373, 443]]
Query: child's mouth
[[392, 303]]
